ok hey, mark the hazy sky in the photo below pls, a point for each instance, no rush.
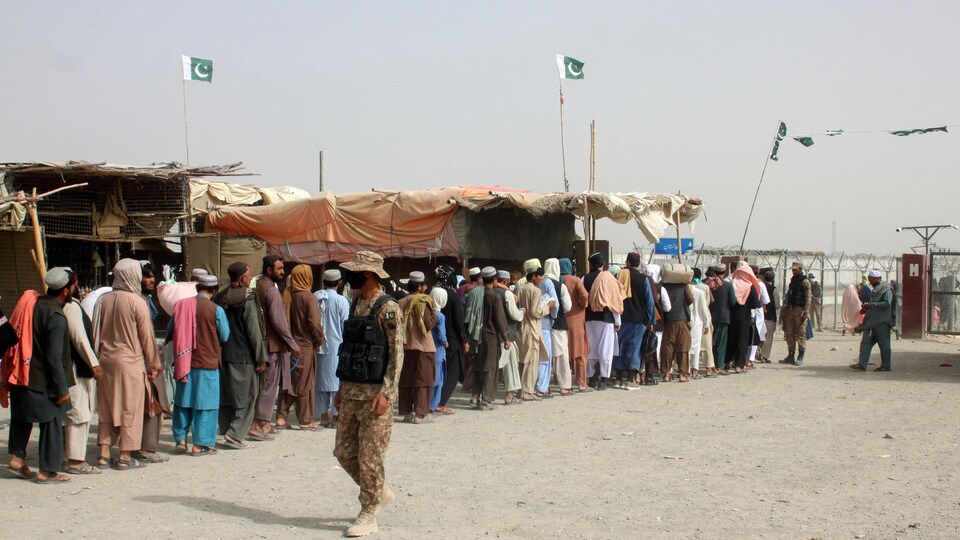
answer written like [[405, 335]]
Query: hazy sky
[[409, 95]]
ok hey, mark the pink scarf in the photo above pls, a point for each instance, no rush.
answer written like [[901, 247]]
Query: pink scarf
[[184, 337], [743, 279]]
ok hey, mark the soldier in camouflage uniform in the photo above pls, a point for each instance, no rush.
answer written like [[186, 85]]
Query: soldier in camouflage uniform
[[796, 310], [366, 410]]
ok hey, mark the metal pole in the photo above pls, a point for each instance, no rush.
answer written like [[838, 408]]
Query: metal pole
[[757, 193], [563, 148]]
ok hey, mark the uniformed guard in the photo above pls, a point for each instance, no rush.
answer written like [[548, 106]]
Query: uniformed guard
[[796, 310], [369, 364]]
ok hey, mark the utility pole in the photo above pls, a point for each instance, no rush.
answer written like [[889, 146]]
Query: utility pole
[[927, 234]]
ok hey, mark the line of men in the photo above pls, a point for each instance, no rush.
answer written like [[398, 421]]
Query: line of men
[[547, 325], [623, 329], [232, 350]]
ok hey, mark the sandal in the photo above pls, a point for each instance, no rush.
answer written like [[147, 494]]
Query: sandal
[[126, 464], [311, 427], [881, 368], [272, 431], [84, 468], [151, 457], [857, 367], [232, 444], [55, 478], [181, 447], [259, 437], [23, 472], [445, 410], [204, 451], [103, 463]]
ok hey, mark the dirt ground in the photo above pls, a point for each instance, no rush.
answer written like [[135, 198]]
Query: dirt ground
[[780, 452]]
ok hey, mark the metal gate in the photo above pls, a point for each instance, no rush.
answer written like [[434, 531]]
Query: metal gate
[[944, 293]]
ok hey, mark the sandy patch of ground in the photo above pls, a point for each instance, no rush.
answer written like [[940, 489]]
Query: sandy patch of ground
[[779, 452]]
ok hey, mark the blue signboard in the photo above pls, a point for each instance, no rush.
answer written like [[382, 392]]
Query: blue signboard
[[668, 246]]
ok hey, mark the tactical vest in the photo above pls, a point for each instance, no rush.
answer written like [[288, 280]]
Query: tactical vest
[[560, 322], [796, 294], [364, 353]]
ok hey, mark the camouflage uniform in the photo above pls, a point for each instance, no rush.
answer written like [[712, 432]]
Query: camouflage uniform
[[362, 439], [794, 319]]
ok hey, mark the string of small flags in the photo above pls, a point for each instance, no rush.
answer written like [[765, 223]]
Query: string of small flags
[[807, 139]]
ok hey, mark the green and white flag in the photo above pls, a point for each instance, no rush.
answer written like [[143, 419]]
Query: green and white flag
[[197, 69], [781, 133], [570, 68], [905, 132], [805, 140]]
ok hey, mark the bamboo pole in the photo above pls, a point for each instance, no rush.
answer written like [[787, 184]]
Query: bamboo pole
[[676, 221], [38, 257], [593, 174]]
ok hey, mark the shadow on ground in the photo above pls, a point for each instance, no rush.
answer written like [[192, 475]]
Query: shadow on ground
[[256, 515], [909, 367]]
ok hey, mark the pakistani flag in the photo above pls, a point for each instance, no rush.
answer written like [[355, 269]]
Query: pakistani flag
[[805, 140], [569, 68], [781, 133], [197, 69]]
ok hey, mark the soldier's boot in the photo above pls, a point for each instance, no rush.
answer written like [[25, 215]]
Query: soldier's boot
[[366, 523], [789, 359], [385, 499], [799, 361]]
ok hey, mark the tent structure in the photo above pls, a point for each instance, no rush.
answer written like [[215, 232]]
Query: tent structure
[[489, 222]]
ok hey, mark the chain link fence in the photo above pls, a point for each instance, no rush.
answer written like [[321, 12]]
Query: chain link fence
[[834, 271]]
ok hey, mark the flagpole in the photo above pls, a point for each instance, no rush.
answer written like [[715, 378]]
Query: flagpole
[[563, 148], [757, 193], [186, 137]]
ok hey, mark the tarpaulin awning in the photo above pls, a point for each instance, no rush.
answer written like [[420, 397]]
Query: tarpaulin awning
[[418, 223]]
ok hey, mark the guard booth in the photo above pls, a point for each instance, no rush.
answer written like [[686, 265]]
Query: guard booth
[[916, 295]]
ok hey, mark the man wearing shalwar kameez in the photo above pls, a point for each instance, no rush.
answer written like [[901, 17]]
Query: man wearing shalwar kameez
[[44, 396], [493, 336], [83, 395], [416, 377], [198, 327], [280, 344], [158, 403], [306, 327], [336, 311], [243, 356], [700, 325], [439, 332], [531, 343], [124, 342], [549, 295], [605, 299], [509, 357], [637, 319], [579, 345], [560, 351]]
